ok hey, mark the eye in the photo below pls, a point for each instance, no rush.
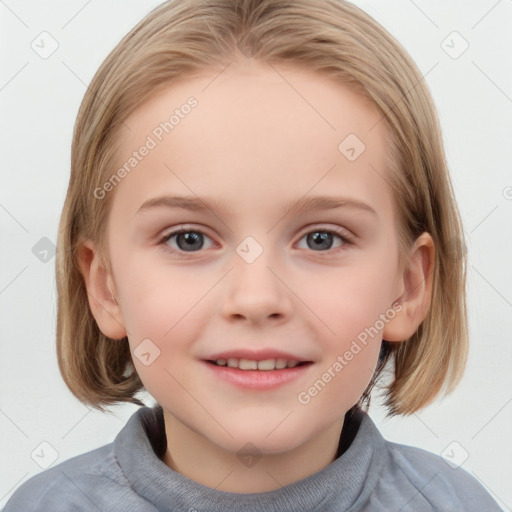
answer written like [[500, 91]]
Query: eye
[[323, 239], [186, 240], [193, 240]]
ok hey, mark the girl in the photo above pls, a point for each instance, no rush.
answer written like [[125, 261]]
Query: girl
[[259, 223]]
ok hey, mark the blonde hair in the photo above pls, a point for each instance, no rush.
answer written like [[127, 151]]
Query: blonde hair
[[186, 37]]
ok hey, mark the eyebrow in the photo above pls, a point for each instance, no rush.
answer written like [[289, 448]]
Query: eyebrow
[[301, 205]]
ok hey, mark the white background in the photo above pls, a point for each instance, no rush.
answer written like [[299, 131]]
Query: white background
[[39, 100]]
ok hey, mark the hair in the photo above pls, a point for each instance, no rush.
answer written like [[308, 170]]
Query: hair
[[181, 38]]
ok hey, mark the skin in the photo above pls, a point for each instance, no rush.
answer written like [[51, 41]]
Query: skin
[[255, 143]]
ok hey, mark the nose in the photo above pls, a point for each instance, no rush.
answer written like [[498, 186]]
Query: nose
[[257, 292]]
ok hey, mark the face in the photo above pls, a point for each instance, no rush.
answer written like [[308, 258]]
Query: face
[[257, 268]]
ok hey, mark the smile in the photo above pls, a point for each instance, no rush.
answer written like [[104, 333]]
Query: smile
[[257, 375], [251, 364]]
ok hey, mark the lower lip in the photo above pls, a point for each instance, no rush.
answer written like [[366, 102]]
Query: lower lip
[[259, 380]]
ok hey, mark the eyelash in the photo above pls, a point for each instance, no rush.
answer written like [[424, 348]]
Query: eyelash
[[346, 240]]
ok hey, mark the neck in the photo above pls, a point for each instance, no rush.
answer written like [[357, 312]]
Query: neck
[[197, 458]]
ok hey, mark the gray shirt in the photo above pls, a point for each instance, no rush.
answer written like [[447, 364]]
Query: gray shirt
[[370, 474]]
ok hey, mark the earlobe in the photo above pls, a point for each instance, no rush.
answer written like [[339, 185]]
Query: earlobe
[[416, 294], [100, 291]]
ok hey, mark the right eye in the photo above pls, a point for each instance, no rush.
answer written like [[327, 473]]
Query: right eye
[[186, 240]]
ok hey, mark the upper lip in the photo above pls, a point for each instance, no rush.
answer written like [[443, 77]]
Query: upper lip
[[255, 355]]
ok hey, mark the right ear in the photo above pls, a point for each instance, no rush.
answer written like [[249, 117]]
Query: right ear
[[100, 291]]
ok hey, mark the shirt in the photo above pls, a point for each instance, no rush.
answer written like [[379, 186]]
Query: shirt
[[369, 474]]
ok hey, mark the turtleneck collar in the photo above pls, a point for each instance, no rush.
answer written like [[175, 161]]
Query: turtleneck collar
[[141, 443]]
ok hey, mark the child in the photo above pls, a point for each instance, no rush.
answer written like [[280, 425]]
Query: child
[[217, 148]]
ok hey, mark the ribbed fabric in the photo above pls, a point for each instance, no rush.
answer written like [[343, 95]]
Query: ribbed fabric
[[371, 474]]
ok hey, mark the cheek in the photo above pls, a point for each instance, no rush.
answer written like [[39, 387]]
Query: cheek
[[354, 305], [353, 299], [352, 310], [157, 297], [163, 309]]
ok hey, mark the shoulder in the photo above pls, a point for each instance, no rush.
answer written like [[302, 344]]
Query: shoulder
[[443, 486], [91, 481]]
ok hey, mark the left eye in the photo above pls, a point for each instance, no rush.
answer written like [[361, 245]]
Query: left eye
[[189, 240], [323, 239]]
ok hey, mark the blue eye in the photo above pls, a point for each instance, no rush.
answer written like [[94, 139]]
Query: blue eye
[[187, 240], [320, 239], [191, 240]]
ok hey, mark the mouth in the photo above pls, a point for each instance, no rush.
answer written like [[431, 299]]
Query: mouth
[[253, 364], [257, 371]]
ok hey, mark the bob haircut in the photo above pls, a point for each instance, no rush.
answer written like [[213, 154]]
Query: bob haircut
[[181, 38]]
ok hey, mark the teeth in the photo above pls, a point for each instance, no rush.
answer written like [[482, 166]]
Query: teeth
[[265, 365], [281, 363], [247, 364]]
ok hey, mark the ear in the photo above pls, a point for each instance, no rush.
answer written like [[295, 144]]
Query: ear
[[415, 290], [100, 291]]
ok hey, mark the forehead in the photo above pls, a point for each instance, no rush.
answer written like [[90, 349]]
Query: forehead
[[255, 131]]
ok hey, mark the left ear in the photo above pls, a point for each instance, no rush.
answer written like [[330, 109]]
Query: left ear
[[415, 290]]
